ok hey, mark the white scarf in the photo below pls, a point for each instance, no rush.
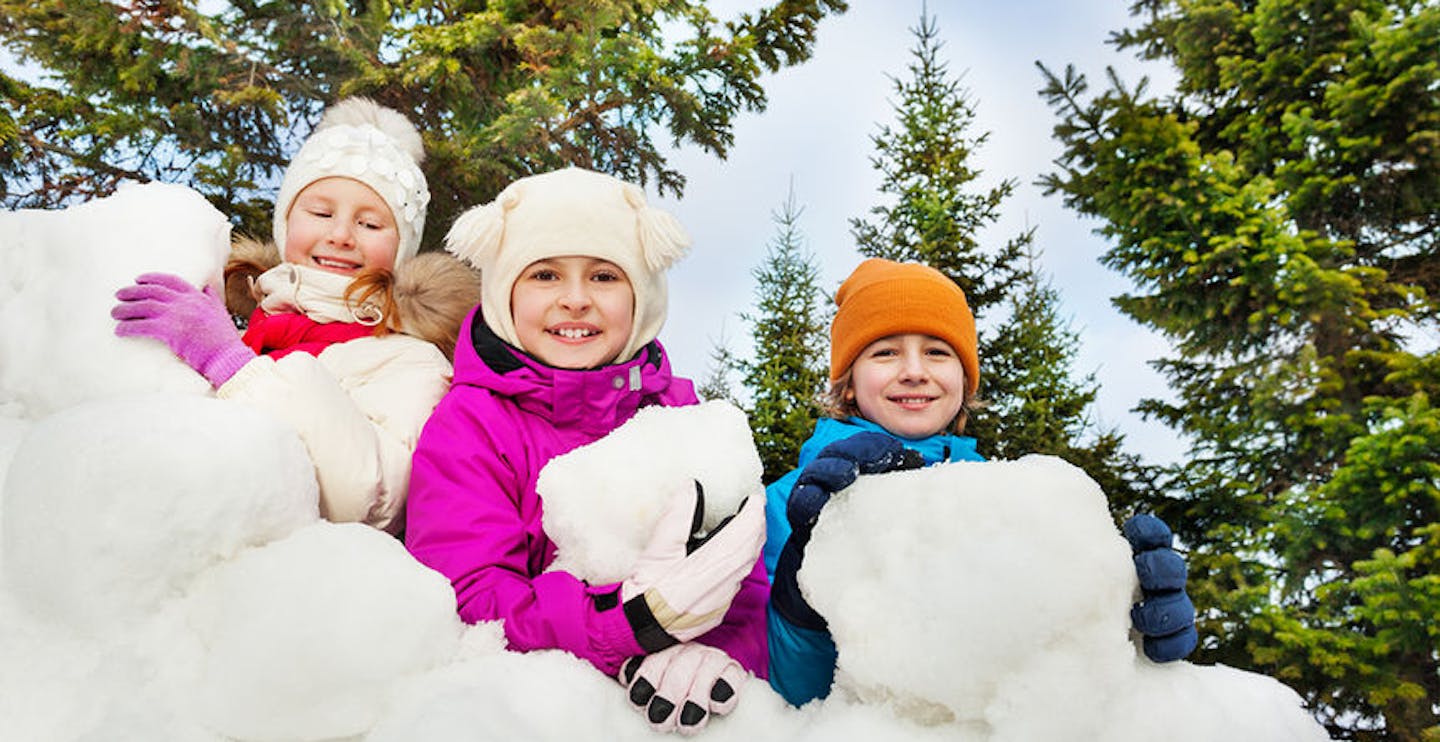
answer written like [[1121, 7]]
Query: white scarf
[[317, 294]]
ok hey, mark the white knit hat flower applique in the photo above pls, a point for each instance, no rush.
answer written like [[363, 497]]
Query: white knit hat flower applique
[[358, 138]]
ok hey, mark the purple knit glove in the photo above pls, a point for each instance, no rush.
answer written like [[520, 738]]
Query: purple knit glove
[[193, 323]]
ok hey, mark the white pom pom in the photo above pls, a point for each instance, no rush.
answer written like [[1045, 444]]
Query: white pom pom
[[475, 236], [366, 112], [662, 239]]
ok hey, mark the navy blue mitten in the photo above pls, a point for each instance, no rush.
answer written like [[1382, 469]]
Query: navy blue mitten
[[1165, 617], [833, 469], [836, 467]]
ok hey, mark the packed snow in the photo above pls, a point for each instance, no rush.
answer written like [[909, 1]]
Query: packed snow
[[166, 575], [635, 484]]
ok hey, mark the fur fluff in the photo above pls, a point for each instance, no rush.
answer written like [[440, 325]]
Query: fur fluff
[[363, 111], [433, 291]]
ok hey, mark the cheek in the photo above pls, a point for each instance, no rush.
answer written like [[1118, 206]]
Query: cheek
[[297, 237], [866, 388], [380, 251], [955, 378], [619, 304], [297, 243]]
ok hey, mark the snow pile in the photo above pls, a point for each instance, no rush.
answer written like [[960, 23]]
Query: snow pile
[[132, 498], [166, 577], [602, 500], [306, 635], [59, 271], [1017, 579]]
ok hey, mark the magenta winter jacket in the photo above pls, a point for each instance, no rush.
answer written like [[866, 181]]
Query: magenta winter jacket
[[474, 516]]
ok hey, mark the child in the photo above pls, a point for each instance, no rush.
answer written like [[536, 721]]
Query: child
[[904, 371], [560, 352], [346, 341]]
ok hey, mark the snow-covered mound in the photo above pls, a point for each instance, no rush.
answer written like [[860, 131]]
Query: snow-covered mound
[[165, 575], [59, 271], [994, 598], [305, 636], [602, 500], [131, 498]]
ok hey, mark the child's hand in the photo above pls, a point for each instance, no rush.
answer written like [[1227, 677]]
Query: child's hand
[[1165, 616], [680, 688], [683, 583], [193, 323], [836, 467]]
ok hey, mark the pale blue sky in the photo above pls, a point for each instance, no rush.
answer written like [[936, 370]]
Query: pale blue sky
[[816, 131]]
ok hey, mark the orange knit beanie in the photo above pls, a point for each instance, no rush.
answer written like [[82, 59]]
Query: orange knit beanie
[[883, 298]]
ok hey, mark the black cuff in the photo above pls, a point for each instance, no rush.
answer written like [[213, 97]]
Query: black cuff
[[648, 633], [785, 592]]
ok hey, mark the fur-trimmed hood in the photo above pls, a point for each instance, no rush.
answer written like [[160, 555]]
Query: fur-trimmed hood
[[433, 291]]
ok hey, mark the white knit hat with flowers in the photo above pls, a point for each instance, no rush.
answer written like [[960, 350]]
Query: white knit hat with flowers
[[358, 138], [563, 213]]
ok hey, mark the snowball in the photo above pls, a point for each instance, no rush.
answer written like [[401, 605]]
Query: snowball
[[602, 500], [994, 598], [113, 505], [305, 635], [59, 271]]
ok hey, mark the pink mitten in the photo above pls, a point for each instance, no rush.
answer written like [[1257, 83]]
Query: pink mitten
[[193, 323], [680, 688], [683, 583]]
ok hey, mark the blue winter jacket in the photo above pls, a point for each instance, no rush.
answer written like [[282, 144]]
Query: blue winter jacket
[[802, 660]]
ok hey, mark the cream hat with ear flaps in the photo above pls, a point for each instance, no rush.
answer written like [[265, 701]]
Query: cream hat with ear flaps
[[563, 213], [360, 139]]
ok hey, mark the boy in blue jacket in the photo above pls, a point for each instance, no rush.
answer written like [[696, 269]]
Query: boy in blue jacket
[[904, 372]]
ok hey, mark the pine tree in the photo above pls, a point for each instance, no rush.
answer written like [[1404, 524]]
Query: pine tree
[[219, 98], [935, 218], [717, 384], [1280, 217], [924, 162], [1049, 411], [1032, 358], [790, 335]]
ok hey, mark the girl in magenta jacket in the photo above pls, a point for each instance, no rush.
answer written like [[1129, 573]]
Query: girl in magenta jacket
[[561, 351]]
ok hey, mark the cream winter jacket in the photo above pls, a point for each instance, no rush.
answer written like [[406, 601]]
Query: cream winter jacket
[[359, 405]]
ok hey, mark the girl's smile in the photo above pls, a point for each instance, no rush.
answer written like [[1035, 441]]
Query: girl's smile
[[573, 311], [341, 226]]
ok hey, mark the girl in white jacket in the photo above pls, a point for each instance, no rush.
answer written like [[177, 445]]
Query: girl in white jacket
[[349, 328]]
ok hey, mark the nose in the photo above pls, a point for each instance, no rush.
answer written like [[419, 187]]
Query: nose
[[912, 365], [575, 297], [342, 233]]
